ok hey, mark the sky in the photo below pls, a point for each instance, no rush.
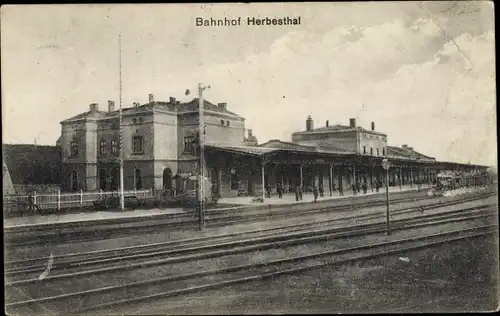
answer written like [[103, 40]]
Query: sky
[[422, 71]]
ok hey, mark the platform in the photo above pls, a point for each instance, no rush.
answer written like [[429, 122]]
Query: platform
[[38, 220], [289, 198], [116, 215]]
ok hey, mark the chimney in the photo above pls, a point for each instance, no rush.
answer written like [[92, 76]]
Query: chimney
[[373, 126], [94, 107], [178, 102], [151, 98], [111, 106], [172, 100], [309, 124], [352, 122], [405, 146], [250, 133], [222, 106], [136, 104], [327, 123]]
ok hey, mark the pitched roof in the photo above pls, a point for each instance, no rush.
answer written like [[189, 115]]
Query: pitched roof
[[166, 106], [408, 153], [339, 128], [310, 147], [33, 164], [193, 105], [249, 150], [88, 114]]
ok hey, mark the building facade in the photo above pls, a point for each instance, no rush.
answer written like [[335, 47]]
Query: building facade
[[158, 143], [159, 152], [351, 138]]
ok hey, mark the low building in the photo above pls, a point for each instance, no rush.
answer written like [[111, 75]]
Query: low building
[[31, 167]]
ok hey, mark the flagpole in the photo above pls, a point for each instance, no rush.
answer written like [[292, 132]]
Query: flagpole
[[122, 198]]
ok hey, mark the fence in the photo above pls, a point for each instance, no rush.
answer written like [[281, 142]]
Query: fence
[[72, 200]]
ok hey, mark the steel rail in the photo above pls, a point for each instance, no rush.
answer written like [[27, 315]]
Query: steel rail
[[252, 267], [230, 248]]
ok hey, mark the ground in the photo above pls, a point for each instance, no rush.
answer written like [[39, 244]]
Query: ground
[[457, 277]]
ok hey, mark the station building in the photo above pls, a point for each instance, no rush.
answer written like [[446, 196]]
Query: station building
[[159, 152]]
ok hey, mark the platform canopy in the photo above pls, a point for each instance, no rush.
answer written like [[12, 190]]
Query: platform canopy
[[279, 152]]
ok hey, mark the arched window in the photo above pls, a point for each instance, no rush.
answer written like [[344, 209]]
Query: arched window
[[235, 183], [167, 178], [115, 178], [102, 179], [138, 180], [73, 180]]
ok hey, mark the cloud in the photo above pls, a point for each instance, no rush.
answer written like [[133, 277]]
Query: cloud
[[424, 74], [388, 73]]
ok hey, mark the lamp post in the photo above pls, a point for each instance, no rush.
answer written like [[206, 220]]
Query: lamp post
[[122, 198], [386, 166], [201, 159]]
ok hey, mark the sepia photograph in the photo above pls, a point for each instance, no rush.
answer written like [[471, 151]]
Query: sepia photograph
[[249, 158]]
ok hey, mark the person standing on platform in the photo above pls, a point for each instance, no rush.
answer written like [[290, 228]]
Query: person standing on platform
[[268, 191], [365, 188], [341, 190], [297, 193], [315, 193], [279, 188], [321, 190], [353, 187], [301, 190]]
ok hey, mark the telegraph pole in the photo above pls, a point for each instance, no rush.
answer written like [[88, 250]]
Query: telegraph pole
[[201, 159], [122, 198]]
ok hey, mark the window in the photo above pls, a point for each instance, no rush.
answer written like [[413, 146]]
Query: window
[[378, 153], [235, 183], [73, 181], [114, 148], [227, 123], [74, 148], [364, 149], [383, 151], [137, 145], [189, 145], [222, 122], [102, 147], [138, 179], [371, 151]]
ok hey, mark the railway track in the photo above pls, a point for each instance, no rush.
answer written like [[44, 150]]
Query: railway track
[[37, 264], [214, 218], [33, 265], [129, 291]]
